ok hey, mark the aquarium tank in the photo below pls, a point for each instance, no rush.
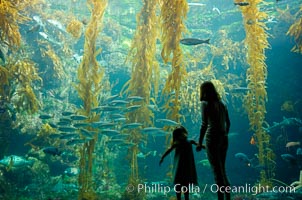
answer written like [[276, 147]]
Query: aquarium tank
[[91, 91]]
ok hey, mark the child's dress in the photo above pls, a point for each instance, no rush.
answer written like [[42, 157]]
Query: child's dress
[[184, 164]]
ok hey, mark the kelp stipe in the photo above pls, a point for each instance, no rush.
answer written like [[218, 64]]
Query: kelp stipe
[[144, 77], [173, 14], [90, 75], [255, 101]]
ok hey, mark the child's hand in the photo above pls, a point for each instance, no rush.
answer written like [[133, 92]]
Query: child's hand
[[199, 147], [161, 161]]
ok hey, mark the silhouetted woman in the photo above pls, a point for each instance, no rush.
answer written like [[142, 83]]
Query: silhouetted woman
[[215, 125]]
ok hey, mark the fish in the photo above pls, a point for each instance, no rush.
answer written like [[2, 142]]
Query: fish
[[243, 158], [131, 125], [63, 123], [204, 162], [196, 4], [3, 50], [83, 124], [110, 131], [132, 108], [16, 161], [102, 124], [152, 130], [57, 24], [69, 136], [292, 144], [33, 29], [121, 119], [37, 19], [77, 58], [216, 9], [193, 41], [45, 116], [241, 3], [167, 122], [299, 152], [284, 123], [67, 113], [54, 151], [119, 102], [135, 98], [289, 158], [46, 37], [67, 129], [78, 117], [72, 171], [76, 141]]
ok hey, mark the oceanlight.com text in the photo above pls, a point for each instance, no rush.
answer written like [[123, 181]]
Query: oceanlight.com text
[[214, 188]]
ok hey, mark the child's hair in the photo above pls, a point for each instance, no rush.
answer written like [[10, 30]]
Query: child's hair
[[179, 133]]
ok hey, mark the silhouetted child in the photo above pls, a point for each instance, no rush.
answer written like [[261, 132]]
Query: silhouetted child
[[184, 163]]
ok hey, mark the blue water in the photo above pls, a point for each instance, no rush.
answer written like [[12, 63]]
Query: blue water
[[21, 132]]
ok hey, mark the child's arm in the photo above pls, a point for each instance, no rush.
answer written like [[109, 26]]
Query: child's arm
[[166, 153], [195, 143]]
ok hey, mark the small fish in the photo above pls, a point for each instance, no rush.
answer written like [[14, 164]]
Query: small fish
[[63, 123], [243, 158], [80, 125], [38, 20], [46, 37], [72, 171], [34, 29], [45, 116], [241, 3], [216, 9], [110, 131], [75, 141], [132, 108], [122, 119], [67, 129], [2, 56], [151, 130], [77, 58], [289, 158], [67, 113], [119, 102], [78, 117], [193, 41], [54, 151], [292, 144], [102, 124], [135, 98], [167, 122], [57, 24], [69, 136], [252, 141], [131, 126], [196, 4]]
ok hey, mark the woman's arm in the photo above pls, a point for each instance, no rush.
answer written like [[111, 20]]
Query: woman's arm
[[204, 122]]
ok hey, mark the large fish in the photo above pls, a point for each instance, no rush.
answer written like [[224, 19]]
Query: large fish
[[194, 41], [16, 161]]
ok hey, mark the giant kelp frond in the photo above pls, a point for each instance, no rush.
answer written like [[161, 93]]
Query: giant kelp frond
[[23, 73], [90, 75], [3, 81], [295, 30], [12, 13], [257, 42], [89, 72], [144, 64], [173, 14], [57, 64]]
